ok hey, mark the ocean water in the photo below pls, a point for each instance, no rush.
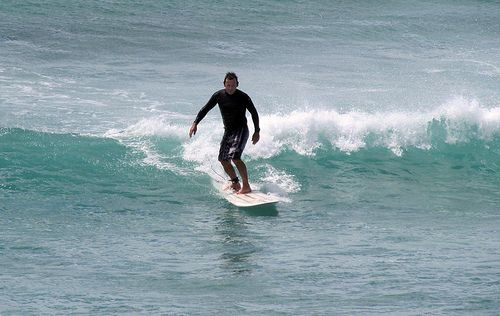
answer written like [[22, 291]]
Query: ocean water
[[380, 136]]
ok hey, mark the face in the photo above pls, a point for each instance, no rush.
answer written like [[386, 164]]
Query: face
[[230, 86]]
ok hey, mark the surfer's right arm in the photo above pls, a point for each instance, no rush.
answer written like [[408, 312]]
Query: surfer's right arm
[[193, 129], [204, 110]]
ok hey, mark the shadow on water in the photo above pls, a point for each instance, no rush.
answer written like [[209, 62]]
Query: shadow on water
[[261, 210], [238, 240]]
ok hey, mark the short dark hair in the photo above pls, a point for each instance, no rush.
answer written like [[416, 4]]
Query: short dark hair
[[231, 76]]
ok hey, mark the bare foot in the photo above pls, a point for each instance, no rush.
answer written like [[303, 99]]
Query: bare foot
[[236, 186], [244, 190]]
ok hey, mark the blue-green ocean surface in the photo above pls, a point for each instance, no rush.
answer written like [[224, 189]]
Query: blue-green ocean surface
[[380, 136]]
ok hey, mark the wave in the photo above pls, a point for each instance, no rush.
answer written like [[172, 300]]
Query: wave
[[87, 168], [290, 142], [456, 123], [38, 161], [459, 128], [159, 162]]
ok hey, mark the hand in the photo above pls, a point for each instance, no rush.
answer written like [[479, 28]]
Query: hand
[[193, 130], [255, 138]]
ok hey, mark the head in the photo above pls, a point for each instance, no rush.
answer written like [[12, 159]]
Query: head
[[231, 82]]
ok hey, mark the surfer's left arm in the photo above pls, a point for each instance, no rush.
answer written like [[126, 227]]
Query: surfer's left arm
[[255, 138], [255, 118]]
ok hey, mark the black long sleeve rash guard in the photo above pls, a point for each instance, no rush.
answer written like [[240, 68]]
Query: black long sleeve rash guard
[[232, 108]]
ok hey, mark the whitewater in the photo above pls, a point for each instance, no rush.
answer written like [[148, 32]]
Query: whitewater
[[380, 136]]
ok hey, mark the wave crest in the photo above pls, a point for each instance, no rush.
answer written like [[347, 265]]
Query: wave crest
[[457, 121]]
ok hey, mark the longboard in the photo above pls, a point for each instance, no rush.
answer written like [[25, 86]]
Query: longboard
[[253, 198]]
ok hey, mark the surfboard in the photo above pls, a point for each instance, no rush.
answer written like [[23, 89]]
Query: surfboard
[[254, 198]]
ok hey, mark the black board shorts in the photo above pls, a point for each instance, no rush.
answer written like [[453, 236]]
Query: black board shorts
[[233, 143]]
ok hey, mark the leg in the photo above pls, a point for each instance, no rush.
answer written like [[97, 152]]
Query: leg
[[231, 148], [229, 169], [242, 169]]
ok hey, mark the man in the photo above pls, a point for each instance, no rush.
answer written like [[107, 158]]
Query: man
[[233, 104]]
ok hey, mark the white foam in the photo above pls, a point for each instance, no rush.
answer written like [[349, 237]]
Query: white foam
[[279, 181], [461, 114], [306, 131], [160, 125], [138, 137]]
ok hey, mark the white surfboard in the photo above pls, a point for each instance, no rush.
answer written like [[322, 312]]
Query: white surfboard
[[253, 198]]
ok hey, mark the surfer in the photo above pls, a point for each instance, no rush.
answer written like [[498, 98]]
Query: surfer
[[233, 104]]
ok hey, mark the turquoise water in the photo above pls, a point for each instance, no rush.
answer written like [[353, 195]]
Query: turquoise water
[[380, 136]]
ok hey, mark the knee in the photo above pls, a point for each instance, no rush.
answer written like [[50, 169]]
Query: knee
[[238, 162]]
